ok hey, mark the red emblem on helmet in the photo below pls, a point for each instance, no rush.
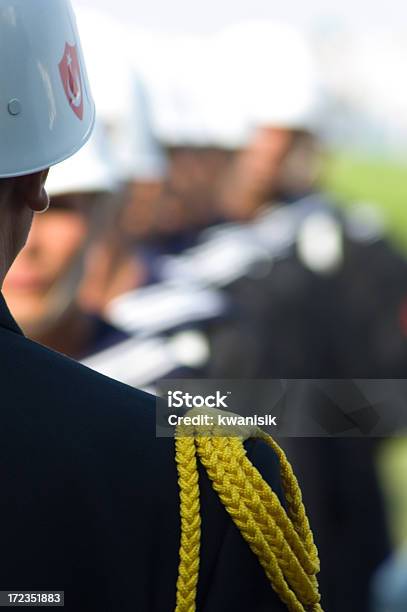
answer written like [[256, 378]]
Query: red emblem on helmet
[[70, 71]]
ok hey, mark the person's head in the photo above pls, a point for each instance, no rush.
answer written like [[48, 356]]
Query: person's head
[[274, 76], [189, 198], [278, 164], [43, 282], [45, 118]]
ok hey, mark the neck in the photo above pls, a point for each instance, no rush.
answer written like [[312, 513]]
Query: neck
[[4, 268], [6, 255], [15, 223]]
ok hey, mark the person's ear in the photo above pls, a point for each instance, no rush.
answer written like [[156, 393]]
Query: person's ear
[[31, 190]]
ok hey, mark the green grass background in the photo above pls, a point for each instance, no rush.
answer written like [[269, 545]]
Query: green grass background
[[383, 182]]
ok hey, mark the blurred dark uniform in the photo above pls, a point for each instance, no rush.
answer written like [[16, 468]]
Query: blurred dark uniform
[[305, 311], [168, 326]]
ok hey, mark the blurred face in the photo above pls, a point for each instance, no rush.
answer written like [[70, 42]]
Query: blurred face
[[137, 219], [254, 176], [186, 200], [43, 280], [194, 179]]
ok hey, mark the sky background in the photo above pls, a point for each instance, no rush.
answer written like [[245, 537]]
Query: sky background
[[208, 15]]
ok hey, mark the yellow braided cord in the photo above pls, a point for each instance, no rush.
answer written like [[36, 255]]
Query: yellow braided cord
[[253, 515], [281, 540], [188, 570], [293, 496]]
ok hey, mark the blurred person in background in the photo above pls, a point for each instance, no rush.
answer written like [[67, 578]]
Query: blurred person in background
[[154, 169], [118, 262], [187, 202], [169, 322], [201, 133], [283, 164], [180, 81], [276, 159]]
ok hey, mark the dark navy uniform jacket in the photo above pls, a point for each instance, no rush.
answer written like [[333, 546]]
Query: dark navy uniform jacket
[[89, 499]]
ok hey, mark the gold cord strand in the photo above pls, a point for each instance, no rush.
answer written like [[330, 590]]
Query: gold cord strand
[[281, 540], [274, 509], [255, 523], [292, 491], [188, 570]]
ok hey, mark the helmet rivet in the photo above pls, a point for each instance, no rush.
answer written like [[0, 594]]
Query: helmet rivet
[[14, 107]]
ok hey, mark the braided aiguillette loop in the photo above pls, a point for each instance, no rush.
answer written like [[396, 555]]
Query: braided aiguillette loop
[[275, 509], [281, 540], [257, 526]]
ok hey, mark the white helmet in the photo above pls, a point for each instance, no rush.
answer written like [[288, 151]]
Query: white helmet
[[122, 102], [271, 69], [46, 108], [89, 171], [191, 105]]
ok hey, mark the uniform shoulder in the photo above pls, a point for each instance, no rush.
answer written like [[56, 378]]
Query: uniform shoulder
[[48, 379]]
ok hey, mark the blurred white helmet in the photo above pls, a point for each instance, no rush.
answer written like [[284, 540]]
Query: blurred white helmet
[[139, 153], [122, 104], [89, 171], [190, 97], [46, 109], [181, 121], [272, 72]]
